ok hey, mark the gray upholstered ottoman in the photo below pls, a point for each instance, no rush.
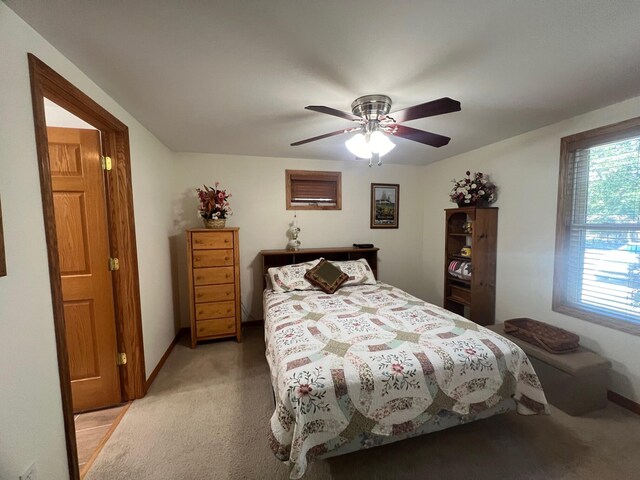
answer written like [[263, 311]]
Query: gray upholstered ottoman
[[574, 382]]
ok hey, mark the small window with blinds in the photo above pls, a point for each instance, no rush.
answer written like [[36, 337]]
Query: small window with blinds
[[311, 190], [597, 271]]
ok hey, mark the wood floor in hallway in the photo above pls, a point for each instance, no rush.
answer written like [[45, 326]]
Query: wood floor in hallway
[[93, 429]]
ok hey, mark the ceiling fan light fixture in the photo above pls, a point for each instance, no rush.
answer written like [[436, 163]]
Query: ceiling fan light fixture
[[377, 144], [359, 146]]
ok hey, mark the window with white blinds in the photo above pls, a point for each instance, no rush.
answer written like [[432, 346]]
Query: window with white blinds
[[598, 238], [313, 190]]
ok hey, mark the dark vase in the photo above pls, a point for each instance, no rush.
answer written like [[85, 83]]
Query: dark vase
[[477, 203]]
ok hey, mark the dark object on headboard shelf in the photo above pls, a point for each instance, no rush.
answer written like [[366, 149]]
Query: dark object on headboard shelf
[[278, 258], [363, 245]]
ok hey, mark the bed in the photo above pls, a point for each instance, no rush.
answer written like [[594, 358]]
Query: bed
[[371, 364]]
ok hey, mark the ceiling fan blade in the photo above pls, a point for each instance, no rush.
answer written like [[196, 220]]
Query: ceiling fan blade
[[333, 111], [429, 109], [319, 137], [421, 136]]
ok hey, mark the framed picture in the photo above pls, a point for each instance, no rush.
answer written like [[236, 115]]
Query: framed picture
[[385, 199]]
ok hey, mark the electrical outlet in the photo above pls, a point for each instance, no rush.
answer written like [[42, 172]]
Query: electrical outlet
[[30, 474]]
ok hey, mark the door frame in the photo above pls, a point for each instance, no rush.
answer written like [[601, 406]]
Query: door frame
[[45, 82]]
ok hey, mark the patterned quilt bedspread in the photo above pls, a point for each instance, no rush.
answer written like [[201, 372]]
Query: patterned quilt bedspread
[[372, 358]]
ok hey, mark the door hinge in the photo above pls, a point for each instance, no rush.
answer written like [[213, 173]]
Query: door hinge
[[114, 264], [106, 163], [121, 359]]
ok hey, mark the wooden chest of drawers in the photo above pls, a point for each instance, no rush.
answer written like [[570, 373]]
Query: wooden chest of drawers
[[213, 258]]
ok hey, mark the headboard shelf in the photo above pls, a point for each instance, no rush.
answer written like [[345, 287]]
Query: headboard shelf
[[278, 258]]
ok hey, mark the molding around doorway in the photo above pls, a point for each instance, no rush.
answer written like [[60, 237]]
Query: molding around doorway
[[45, 82]]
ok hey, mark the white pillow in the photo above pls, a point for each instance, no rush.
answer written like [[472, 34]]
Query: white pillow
[[291, 277], [359, 272]]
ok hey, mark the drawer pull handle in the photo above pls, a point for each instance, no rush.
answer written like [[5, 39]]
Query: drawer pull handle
[[226, 240]]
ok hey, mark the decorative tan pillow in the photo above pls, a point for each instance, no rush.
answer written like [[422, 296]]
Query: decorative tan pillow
[[326, 276], [359, 272], [291, 277]]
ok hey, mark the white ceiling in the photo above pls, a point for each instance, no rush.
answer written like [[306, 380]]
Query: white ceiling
[[234, 76]]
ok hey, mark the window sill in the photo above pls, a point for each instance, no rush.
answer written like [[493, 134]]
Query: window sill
[[313, 206], [600, 319]]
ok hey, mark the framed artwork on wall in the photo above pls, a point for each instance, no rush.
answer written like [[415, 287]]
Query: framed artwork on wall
[[385, 201], [3, 260]]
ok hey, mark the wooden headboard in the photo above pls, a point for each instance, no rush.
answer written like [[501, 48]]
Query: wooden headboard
[[278, 258]]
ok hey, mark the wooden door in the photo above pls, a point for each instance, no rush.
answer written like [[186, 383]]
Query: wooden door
[[83, 248]]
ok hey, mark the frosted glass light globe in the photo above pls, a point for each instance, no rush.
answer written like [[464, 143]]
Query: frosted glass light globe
[[379, 143], [358, 146]]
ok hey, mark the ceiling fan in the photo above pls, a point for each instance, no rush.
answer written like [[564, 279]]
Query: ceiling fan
[[375, 123]]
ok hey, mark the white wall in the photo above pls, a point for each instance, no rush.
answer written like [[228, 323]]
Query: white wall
[[525, 168], [58, 117], [31, 427], [258, 188]]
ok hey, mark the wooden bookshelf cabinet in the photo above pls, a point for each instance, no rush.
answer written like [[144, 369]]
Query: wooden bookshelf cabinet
[[474, 298]]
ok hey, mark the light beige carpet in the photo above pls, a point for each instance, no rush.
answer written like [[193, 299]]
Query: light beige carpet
[[206, 417]]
